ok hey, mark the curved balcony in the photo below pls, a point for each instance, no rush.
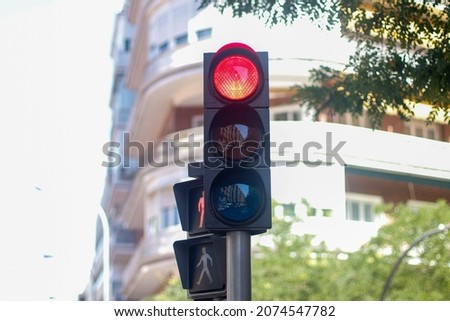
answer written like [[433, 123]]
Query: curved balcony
[[153, 178], [153, 260]]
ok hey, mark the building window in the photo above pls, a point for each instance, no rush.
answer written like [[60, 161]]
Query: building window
[[420, 129], [368, 213], [204, 33], [127, 44], [419, 132], [176, 216], [354, 211], [290, 113], [280, 116], [170, 217], [163, 47], [356, 120], [152, 226], [166, 217], [159, 34], [360, 210], [168, 26], [181, 39], [181, 14]]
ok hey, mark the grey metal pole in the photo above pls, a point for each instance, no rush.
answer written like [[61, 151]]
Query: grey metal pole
[[239, 281]]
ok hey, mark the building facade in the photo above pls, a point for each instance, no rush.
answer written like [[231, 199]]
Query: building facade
[[156, 102]]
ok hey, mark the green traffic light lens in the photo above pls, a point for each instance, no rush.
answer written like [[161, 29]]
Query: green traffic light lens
[[238, 196]]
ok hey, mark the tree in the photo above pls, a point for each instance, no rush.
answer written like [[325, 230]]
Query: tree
[[402, 55], [290, 268], [425, 272]]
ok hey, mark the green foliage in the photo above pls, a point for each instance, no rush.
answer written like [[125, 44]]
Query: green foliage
[[427, 276], [402, 54], [274, 12], [292, 269]]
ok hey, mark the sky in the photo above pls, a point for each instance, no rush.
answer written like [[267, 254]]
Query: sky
[[55, 82]]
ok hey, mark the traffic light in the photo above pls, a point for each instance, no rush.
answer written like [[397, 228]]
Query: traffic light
[[190, 203], [202, 266], [236, 174]]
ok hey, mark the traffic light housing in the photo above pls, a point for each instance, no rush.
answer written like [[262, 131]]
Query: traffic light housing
[[202, 266], [236, 140], [190, 200]]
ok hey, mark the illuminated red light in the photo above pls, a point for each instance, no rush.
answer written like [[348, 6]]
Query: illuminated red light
[[236, 78]]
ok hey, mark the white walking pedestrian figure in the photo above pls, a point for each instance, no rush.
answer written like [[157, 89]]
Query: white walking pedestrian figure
[[205, 269]]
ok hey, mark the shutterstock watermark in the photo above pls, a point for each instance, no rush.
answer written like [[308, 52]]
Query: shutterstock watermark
[[223, 153]]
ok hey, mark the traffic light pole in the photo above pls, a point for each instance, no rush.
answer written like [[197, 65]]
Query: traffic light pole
[[238, 266]]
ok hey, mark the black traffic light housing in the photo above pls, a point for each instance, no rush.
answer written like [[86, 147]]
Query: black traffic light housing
[[236, 140], [189, 197], [189, 254]]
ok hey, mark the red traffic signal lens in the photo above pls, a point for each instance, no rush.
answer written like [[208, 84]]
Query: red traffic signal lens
[[236, 78]]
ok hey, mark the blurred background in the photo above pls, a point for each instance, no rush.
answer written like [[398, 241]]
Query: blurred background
[[76, 74], [55, 81]]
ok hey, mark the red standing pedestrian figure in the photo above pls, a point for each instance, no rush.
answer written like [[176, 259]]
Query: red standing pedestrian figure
[[201, 209]]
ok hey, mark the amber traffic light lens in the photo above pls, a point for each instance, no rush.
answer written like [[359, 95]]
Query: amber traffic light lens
[[237, 133]]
